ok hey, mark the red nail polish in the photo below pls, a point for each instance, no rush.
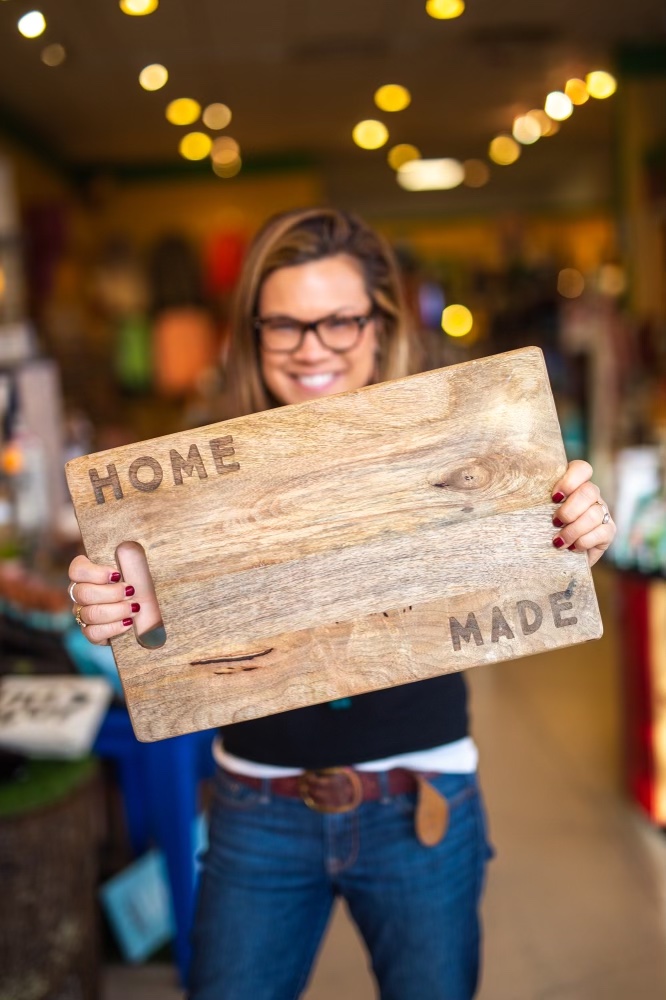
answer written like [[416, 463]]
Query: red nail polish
[[557, 523], [558, 542], [114, 577], [572, 548], [135, 608], [129, 591], [558, 497], [127, 622]]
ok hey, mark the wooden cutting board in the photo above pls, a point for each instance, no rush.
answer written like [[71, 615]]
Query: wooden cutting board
[[352, 543]]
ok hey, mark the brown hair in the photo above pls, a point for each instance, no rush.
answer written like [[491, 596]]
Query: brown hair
[[298, 237]]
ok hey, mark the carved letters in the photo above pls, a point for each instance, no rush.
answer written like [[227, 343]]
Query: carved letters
[[146, 473]]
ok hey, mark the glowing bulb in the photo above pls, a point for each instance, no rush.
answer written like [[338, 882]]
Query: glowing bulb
[[392, 97], [137, 8], [225, 151], [445, 10], [503, 150], [183, 111], [576, 91], [477, 173], [402, 153], [370, 134], [54, 54], [32, 24], [558, 106], [430, 175], [153, 77], [228, 169], [612, 279], [457, 321], [570, 283], [195, 146], [216, 116], [600, 84], [526, 129], [546, 125]]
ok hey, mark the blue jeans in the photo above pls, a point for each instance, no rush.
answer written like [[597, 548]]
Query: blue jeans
[[274, 868]]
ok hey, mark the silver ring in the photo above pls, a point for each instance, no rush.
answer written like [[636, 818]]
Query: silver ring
[[606, 518], [70, 591]]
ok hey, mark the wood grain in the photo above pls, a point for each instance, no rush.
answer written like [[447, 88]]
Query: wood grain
[[338, 546]]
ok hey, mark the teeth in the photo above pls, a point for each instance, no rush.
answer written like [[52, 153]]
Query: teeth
[[316, 381]]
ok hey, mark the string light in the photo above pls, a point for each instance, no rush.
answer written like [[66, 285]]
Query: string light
[[558, 106], [457, 321], [195, 146], [54, 54], [138, 8], [183, 111], [570, 283], [477, 173], [526, 129], [600, 84], [32, 24], [370, 134], [216, 116], [445, 10], [576, 91], [392, 97], [402, 153], [503, 150], [153, 77]]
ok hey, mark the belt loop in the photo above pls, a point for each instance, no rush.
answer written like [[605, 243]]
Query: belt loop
[[383, 781], [265, 790]]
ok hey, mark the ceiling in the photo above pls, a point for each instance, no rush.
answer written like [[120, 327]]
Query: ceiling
[[298, 74]]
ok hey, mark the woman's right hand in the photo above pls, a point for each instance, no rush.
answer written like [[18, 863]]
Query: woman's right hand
[[107, 603]]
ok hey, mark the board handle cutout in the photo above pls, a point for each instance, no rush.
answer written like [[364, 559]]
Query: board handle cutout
[[148, 626]]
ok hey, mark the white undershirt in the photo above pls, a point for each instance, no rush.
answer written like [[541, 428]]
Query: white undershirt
[[459, 757]]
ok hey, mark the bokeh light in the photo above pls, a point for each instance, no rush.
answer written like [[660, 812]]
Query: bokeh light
[[576, 91], [183, 111], [153, 77], [32, 24], [225, 151], [227, 170], [54, 54], [370, 134], [600, 84], [430, 175], [402, 153], [392, 97], [503, 150], [558, 106], [477, 173], [612, 280], [195, 146], [137, 8], [216, 116], [570, 283], [445, 10], [546, 124], [526, 129], [457, 321]]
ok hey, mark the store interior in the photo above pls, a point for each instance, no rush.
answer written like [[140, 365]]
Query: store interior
[[515, 158]]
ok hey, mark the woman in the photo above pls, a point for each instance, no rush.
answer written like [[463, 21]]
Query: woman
[[318, 311]]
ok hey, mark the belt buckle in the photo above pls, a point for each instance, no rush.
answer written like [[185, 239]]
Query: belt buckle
[[306, 790]]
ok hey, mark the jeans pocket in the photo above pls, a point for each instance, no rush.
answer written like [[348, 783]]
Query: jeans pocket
[[230, 793]]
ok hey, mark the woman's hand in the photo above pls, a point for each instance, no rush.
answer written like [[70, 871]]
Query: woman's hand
[[105, 603], [581, 513]]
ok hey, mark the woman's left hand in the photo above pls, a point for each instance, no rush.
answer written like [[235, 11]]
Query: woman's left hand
[[581, 514]]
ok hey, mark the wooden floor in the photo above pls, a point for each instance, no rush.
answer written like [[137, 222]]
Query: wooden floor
[[576, 902]]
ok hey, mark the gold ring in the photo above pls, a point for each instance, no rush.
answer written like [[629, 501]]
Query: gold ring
[[77, 616]]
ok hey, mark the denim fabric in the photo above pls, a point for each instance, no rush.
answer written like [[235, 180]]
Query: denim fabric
[[274, 868]]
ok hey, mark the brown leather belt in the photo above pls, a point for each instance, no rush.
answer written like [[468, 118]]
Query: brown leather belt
[[338, 789]]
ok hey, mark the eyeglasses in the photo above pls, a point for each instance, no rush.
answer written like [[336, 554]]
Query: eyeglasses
[[284, 334]]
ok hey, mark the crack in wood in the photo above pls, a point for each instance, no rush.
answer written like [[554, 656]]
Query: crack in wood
[[236, 658]]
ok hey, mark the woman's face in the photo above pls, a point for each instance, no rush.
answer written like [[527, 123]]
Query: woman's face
[[333, 286]]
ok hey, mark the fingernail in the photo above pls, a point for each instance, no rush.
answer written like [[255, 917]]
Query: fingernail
[[127, 622], [558, 497], [135, 608], [129, 591], [558, 542], [572, 547], [557, 523], [114, 577]]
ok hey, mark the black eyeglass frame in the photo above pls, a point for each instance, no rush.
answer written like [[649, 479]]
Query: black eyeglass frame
[[361, 323]]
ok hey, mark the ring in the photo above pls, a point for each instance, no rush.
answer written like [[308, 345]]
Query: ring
[[70, 591], [77, 616], [606, 518]]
